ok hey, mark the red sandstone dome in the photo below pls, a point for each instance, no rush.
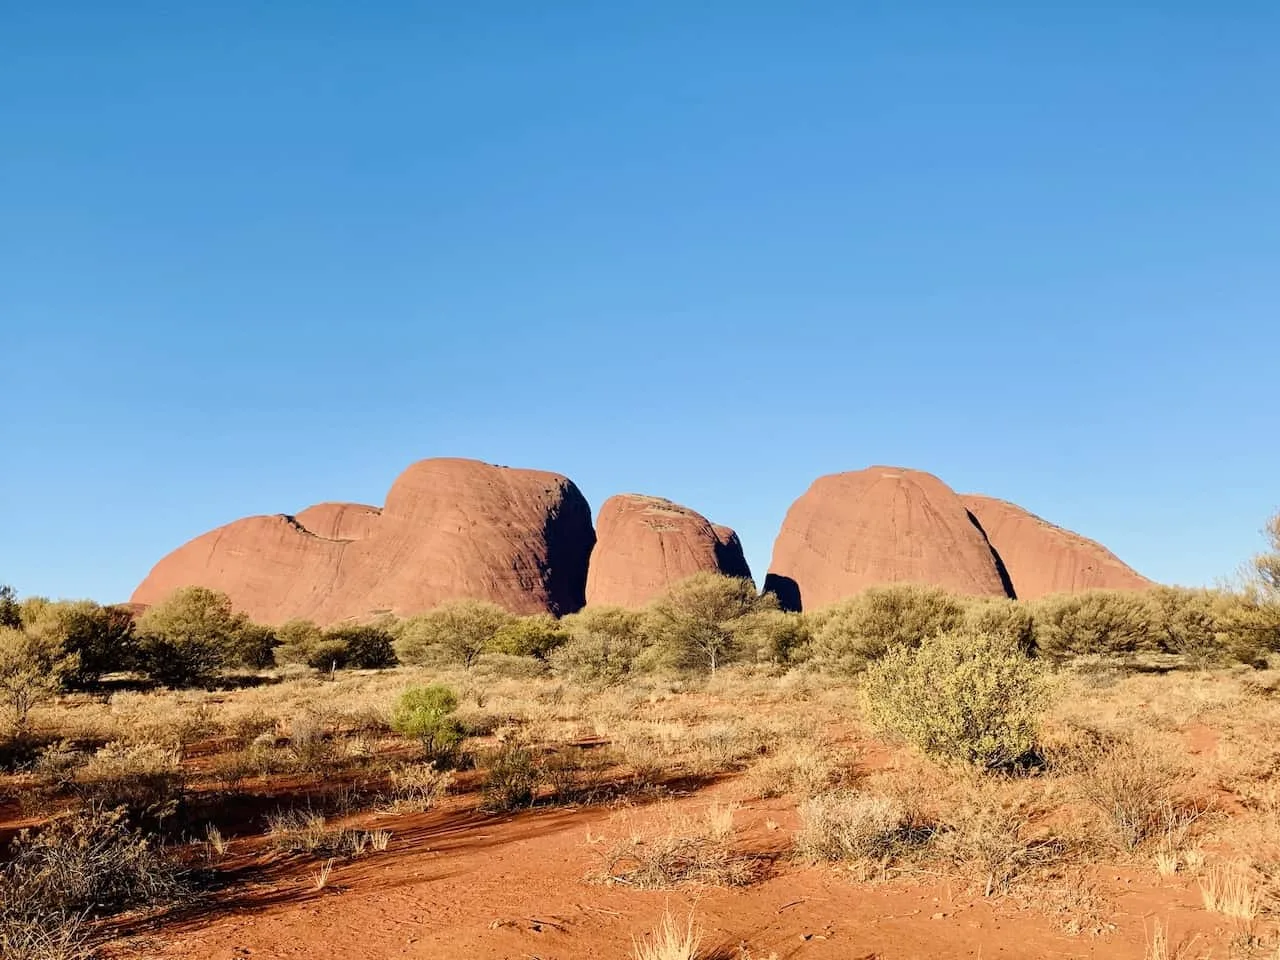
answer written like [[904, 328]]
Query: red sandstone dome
[[450, 529], [1042, 558], [645, 544], [881, 525]]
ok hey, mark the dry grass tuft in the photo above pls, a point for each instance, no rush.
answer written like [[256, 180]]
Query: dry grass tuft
[[686, 850], [860, 827], [669, 940], [1226, 889]]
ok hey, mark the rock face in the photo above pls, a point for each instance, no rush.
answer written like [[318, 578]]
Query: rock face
[[450, 529], [645, 544], [881, 525], [1042, 558]]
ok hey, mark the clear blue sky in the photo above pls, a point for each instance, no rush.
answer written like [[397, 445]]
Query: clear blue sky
[[257, 255]]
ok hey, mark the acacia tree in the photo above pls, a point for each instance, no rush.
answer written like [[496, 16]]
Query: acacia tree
[[32, 669], [696, 620], [1266, 566], [457, 632]]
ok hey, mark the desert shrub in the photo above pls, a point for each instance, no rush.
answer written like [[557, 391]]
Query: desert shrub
[[457, 632], [771, 636], [849, 635], [187, 639], [1136, 790], [252, 647], [1248, 625], [87, 865], [693, 622], [10, 609], [961, 696], [1008, 620], [362, 647], [100, 638], [805, 768], [511, 778], [605, 645], [1096, 622], [536, 636], [988, 838], [1266, 565], [427, 715], [32, 668], [309, 740], [684, 850], [416, 786], [848, 825], [575, 775], [144, 780], [297, 639]]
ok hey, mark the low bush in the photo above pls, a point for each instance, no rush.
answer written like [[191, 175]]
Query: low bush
[[850, 635], [427, 714], [536, 636], [416, 787], [511, 778], [32, 668], [605, 645], [962, 696], [87, 865], [685, 850], [144, 780], [1097, 622], [359, 647], [847, 825]]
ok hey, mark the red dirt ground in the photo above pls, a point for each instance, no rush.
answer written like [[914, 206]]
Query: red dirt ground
[[457, 883]]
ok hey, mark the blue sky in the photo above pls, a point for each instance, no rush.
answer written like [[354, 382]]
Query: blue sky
[[256, 255]]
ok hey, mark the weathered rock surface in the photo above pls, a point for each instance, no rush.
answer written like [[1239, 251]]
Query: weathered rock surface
[[645, 544], [450, 529], [881, 525], [1042, 558], [340, 521]]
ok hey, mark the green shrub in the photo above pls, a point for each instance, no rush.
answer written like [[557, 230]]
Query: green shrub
[[511, 778], [456, 633], [772, 636], [188, 638], [1009, 620], [849, 635], [693, 623], [361, 647], [32, 668], [427, 715], [10, 609], [1097, 622], [100, 638], [298, 639], [961, 696], [536, 636], [605, 645]]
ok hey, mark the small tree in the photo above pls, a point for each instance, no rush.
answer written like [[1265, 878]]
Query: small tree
[[101, 638], [298, 639], [694, 621], [361, 646], [32, 669], [534, 636], [10, 611], [457, 632], [962, 696], [188, 638], [1266, 566], [426, 714]]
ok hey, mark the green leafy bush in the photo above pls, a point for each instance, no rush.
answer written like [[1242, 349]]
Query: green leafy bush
[[188, 638], [961, 696], [849, 635], [1097, 622], [100, 638], [456, 633], [536, 636], [511, 778], [693, 623], [361, 647], [605, 645], [32, 668], [427, 714]]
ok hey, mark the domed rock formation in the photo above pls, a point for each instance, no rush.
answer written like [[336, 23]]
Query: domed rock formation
[[645, 544], [1042, 558], [881, 525], [450, 529], [340, 521]]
